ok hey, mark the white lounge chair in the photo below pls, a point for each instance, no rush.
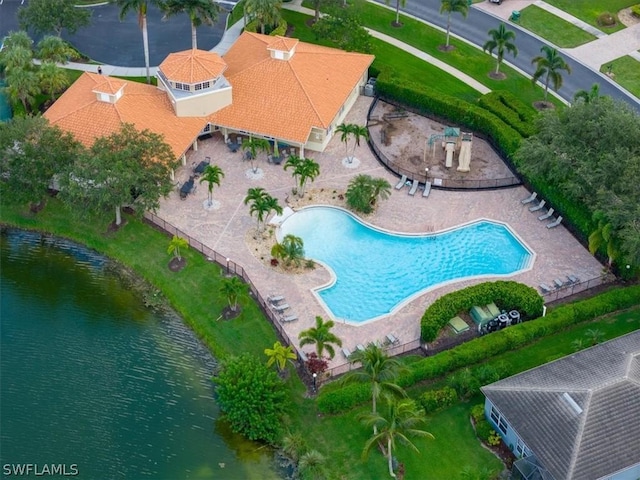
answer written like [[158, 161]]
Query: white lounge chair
[[529, 199], [573, 279], [281, 307], [392, 339], [414, 187], [558, 283], [290, 318], [549, 214], [275, 298], [401, 183], [539, 206], [346, 352], [427, 189], [360, 347], [555, 223], [545, 288]]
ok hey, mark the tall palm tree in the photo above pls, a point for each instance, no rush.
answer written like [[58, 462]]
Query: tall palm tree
[[401, 420], [344, 129], [265, 12], [262, 204], [54, 49], [291, 249], [251, 146], [16, 58], [22, 85], [399, 3], [199, 11], [381, 189], [358, 132], [279, 355], [321, 337], [176, 244], [377, 369], [501, 40], [212, 174], [293, 161], [53, 79], [453, 6], [231, 288], [307, 170], [140, 7], [604, 235], [549, 66]]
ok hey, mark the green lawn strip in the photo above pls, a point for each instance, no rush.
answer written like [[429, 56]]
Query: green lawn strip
[[589, 10], [192, 292], [154, 80], [626, 71], [553, 28], [403, 64], [236, 14]]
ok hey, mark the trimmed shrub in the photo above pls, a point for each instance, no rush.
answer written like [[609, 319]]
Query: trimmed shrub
[[509, 294], [464, 383], [479, 349], [606, 20], [433, 400], [477, 412], [280, 30], [484, 430], [635, 10], [510, 110]]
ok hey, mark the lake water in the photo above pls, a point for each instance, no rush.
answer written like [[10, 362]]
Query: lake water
[[90, 377]]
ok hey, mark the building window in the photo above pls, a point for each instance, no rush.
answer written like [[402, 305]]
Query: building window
[[206, 84], [522, 449], [198, 86], [499, 420]]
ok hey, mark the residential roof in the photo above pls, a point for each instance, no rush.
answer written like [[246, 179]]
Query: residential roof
[[286, 98], [595, 437], [192, 66], [79, 111]]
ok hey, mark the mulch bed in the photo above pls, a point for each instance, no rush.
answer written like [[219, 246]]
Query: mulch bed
[[176, 264]]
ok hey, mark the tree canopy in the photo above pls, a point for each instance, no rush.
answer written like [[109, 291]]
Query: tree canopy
[[591, 153], [53, 16]]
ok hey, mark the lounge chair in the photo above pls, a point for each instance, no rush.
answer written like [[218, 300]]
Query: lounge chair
[[555, 223], [281, 307], [401, 183], [360, 347], [529, 199], [539, 206], [275, 298], [427, 189], [346, 352], [414, 188], [290, 318], [549, 214], [544, 288], [558, 283], [573, 279], [493, 309], [392, 339]]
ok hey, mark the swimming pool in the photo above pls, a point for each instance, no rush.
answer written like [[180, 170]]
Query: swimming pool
[[376, 271]]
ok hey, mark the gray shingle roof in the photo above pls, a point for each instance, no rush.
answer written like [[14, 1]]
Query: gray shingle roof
[[604, 382]]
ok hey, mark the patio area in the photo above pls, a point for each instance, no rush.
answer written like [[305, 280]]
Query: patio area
[[225, 227]]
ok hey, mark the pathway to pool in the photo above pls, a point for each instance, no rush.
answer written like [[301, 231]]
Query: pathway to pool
[[224, 229]]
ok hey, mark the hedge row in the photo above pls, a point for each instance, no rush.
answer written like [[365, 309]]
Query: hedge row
[[280, 30], [433, 400], [510, 110], [507, 295], [426, 100], [479, 349]]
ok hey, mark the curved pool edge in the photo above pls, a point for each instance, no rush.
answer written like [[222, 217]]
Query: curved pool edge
[[315, 290]]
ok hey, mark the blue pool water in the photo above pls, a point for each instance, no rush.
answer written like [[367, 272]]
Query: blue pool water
[[376, 271]]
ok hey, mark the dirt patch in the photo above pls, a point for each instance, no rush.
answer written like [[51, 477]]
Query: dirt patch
[[542, 105], [114, 227], [229, 314], [497, 76], [627, 18], [176, 264]]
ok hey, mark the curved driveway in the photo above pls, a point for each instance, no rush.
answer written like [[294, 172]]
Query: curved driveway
[[475, 27]]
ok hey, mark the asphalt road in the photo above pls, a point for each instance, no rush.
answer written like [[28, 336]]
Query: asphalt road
[[108, 40], [475, 27]]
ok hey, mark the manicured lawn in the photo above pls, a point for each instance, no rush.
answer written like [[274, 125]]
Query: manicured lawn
[[589, 10], [626, 72], [552, 28]]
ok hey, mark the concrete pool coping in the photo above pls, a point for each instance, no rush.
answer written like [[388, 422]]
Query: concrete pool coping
[[333, 277]]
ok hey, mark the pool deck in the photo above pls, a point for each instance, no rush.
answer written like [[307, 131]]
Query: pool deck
[[224, 229]]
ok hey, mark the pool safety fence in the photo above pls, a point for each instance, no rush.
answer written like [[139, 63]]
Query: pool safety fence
[[422, 176], [569, 289]]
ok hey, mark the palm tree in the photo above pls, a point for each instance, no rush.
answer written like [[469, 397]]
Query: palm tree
[[588, 96], [453, 6], [22, 85], [19, 38], [358, 132], [175, 245], [321, 336], [399, 3], [344, 129], [262, 204], [307, 169], [266, 12], [381, 190], [54, 49], [53, 79], [251, 146], [199, 11], [501, 40], [140, 7], [312, 464], [279, 355], [231, 288], [594, 335], [212, 174], [604, 235], [401, 420], [548, 65], [16, 57], [379, 370], [290, 250], [293, 162]]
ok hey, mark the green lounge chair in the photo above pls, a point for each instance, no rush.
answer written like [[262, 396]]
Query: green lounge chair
[[493, 309]]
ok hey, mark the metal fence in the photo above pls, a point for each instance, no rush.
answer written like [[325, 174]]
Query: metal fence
[[572, 289], [448, 183]]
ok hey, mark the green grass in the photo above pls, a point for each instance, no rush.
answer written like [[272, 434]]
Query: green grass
[[589, 10], [626, 72], [552, 28], [236, 14], [154, 80]]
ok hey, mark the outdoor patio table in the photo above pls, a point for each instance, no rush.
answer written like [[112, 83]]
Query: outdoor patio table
[[276, 160], [186, 188], [200, 168], [233, 146]]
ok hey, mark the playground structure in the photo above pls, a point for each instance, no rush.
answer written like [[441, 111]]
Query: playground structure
[[453, 140]]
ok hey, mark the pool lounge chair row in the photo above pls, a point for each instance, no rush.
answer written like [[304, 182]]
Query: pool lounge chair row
[[559, 283], [389, 340], [539, 206], [414, 186], [279, 305]]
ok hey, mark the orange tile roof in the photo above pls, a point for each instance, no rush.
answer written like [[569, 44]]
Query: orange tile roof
[[283, 43], [192, 66], [80, 112], [109, 85], [286, 98]]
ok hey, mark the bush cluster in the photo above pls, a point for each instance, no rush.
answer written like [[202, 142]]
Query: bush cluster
[[635, 10], [507, 295], [427, 100], [254, 26], [481, 348], [433, 400], [510, 110]]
